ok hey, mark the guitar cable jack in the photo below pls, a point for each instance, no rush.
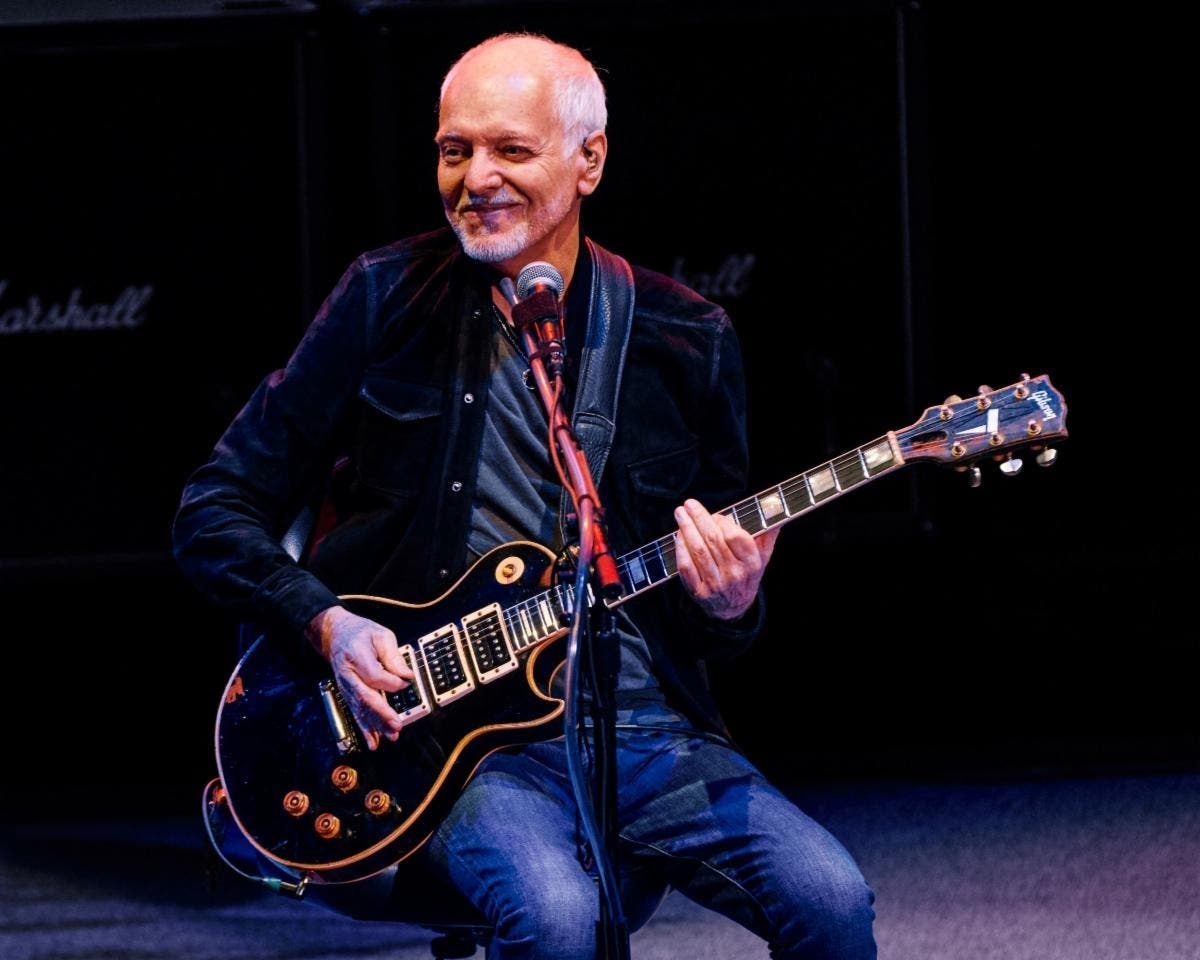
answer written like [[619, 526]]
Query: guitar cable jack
[[213, 799]]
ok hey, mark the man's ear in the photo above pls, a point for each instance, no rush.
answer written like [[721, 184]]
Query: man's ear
[[592, 153]]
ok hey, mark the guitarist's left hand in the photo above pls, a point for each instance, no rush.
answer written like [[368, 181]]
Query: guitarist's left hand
[[719, 563]]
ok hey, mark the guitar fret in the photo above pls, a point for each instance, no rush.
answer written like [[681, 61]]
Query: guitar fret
[[655, 563], [512, 620], [773, 507], [822, 483], [847, 473], [745, 515], [878, 457], [666, 550], [526, 625], [637, 573], [549, 621], [798, 497]]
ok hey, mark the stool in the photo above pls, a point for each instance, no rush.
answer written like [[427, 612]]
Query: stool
[[402, 894], [397, 895]]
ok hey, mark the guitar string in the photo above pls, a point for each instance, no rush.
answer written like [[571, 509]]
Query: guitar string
[[663, 548], [519, 631]]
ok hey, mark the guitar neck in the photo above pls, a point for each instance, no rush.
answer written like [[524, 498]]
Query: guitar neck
[[956, 433], [654, 563]]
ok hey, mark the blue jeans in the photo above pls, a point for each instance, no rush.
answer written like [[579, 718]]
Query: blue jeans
[[694, 811]]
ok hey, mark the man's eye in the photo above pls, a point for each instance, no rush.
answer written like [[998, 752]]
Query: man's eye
[[451, 153], [514, 152]]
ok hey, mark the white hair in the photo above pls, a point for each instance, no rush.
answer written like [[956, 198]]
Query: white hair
[[579, 100]]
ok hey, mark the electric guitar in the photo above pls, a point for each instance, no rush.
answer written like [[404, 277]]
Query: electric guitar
[[299, 781]]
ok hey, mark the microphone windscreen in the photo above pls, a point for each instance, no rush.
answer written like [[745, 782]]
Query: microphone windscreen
[[539, 273]]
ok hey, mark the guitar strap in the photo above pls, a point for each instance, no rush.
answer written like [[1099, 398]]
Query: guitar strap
[[602, 362]]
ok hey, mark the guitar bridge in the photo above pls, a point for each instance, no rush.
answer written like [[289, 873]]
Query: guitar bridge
[[335, 712]]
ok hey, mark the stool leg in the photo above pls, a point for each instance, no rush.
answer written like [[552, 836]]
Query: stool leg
[[453, 945]]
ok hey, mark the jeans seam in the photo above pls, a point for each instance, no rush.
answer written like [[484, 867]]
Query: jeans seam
[[766, 920]]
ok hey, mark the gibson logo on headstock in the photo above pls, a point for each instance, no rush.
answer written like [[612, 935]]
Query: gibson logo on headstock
[[1042, 399], [122, 313]]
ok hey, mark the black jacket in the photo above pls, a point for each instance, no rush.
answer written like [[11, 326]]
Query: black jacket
[[381, 406]]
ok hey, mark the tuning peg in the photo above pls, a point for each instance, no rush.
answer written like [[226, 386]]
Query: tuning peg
[[1047, 457], [1011, 466], [974, 476], [984, 389], [954, 398]]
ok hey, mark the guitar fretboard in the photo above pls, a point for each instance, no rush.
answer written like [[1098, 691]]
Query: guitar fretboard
[[653, 563], [540, 616]]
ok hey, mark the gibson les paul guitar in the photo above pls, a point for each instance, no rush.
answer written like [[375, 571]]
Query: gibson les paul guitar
[[299, 781]]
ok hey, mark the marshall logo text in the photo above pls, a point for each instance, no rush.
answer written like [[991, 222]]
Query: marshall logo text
[[730, 279], [123, 313]]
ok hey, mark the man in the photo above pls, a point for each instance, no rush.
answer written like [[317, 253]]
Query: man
[[411, 382]]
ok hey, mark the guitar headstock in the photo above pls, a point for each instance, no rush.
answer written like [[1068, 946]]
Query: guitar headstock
[[1029, 414]]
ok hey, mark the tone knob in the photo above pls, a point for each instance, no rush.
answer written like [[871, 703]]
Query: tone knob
[[296, 803], [344, 778], [327, 826], [377, 802]]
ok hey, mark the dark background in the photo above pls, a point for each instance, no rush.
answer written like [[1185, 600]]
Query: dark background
[[895, 203]]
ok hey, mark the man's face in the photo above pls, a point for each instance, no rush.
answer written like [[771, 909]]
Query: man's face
[[508, 182]]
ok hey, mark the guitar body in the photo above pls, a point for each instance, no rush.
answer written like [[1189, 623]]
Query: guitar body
[[304, 789]]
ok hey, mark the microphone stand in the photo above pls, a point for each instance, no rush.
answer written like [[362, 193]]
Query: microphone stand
[[595, 564]]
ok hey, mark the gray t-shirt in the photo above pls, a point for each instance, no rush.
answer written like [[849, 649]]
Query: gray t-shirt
[[517, 498]]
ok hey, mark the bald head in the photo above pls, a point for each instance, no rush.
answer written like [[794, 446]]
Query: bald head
[[521, 59]]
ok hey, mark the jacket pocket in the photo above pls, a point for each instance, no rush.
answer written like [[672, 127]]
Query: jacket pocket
[[398, 431], [666, 475]]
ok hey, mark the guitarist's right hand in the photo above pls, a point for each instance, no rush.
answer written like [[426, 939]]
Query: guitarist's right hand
[[366, 660]]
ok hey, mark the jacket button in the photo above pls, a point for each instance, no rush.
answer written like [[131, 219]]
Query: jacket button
[[456, 486], [468, 398], [443, 573]]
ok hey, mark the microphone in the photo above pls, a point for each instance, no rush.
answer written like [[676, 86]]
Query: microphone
[[539, 286]]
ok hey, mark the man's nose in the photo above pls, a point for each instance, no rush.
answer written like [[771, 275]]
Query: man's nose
[[483, 174]]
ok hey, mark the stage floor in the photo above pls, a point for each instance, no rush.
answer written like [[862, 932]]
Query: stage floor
[[1088, 868]]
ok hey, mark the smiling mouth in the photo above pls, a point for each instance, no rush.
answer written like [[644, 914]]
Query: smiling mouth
[[484, 210]]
